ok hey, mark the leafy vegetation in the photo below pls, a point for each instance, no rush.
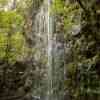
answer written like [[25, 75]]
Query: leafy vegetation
[[11, 24], [81, 32]]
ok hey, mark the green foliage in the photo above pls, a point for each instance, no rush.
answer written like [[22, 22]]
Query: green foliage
[[71, 13], [58, 6], [12, 42], [17, 46], [68, 13], [3, 44], [82, 78], [3, 2], [11, 20]]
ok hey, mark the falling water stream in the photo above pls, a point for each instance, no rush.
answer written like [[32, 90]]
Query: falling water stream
[[49, 48]]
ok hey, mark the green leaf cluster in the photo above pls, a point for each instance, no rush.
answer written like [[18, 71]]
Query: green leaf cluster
[[11, 20], [12, 41]]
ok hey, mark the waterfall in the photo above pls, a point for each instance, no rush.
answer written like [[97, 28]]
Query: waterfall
[[51, 50], [43, 33]]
